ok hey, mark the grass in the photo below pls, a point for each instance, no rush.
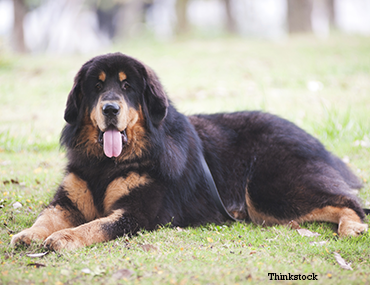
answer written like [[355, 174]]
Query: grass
[[323, 86]]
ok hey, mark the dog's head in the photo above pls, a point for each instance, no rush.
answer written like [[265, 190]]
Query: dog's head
[[114, 102]]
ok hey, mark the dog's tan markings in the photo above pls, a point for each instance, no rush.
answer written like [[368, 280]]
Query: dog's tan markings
[[349, 223], [80, 195], [87, 140], [258, 217], [122, 76], [97, 117], [121, 187], [238, 215], [123, 116], [93, 117], [102, 76], [50, 220], [84, 235], [136, 133]]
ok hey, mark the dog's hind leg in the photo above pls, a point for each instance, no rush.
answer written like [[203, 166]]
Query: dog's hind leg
[[349, 223]]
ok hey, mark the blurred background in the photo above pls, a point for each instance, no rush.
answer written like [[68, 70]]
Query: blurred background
[[78, 26], [305, 60]]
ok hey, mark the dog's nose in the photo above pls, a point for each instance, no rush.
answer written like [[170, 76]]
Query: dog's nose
[[111, 109]]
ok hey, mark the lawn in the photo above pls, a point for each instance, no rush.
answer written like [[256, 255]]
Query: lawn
[[321, 85]]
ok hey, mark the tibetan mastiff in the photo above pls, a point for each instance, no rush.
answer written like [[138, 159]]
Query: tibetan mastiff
[[135, 162]]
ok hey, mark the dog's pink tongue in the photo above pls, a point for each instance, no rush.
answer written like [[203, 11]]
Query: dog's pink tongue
[[112, 143]]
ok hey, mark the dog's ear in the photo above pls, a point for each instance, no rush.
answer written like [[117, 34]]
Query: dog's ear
[[73, 104], [155, 97], [75, 98]]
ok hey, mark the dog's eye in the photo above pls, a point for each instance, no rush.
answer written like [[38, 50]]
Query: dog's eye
[[125, 85], [99, 86]]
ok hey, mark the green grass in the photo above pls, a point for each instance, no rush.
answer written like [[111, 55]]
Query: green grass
[[211, 75]]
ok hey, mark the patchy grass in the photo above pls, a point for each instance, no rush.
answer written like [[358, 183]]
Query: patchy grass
[[323, 86]]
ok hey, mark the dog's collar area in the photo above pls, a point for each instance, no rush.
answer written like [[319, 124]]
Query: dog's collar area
[[214, 192]]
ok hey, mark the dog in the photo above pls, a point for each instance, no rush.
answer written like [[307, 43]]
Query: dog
[[135, 162]]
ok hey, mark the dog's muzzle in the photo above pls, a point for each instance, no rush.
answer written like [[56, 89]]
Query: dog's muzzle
[[112, 139]]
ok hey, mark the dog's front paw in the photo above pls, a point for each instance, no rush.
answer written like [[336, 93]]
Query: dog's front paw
[[64, 239], [27, 236]]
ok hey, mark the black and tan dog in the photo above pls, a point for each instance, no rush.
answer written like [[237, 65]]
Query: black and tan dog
[[134, 163]]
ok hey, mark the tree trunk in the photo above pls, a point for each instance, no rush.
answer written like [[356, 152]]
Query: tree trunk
[[182, 25], [331, 12], [130, 19], [299, 16], [230, 20], [20, 11]]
